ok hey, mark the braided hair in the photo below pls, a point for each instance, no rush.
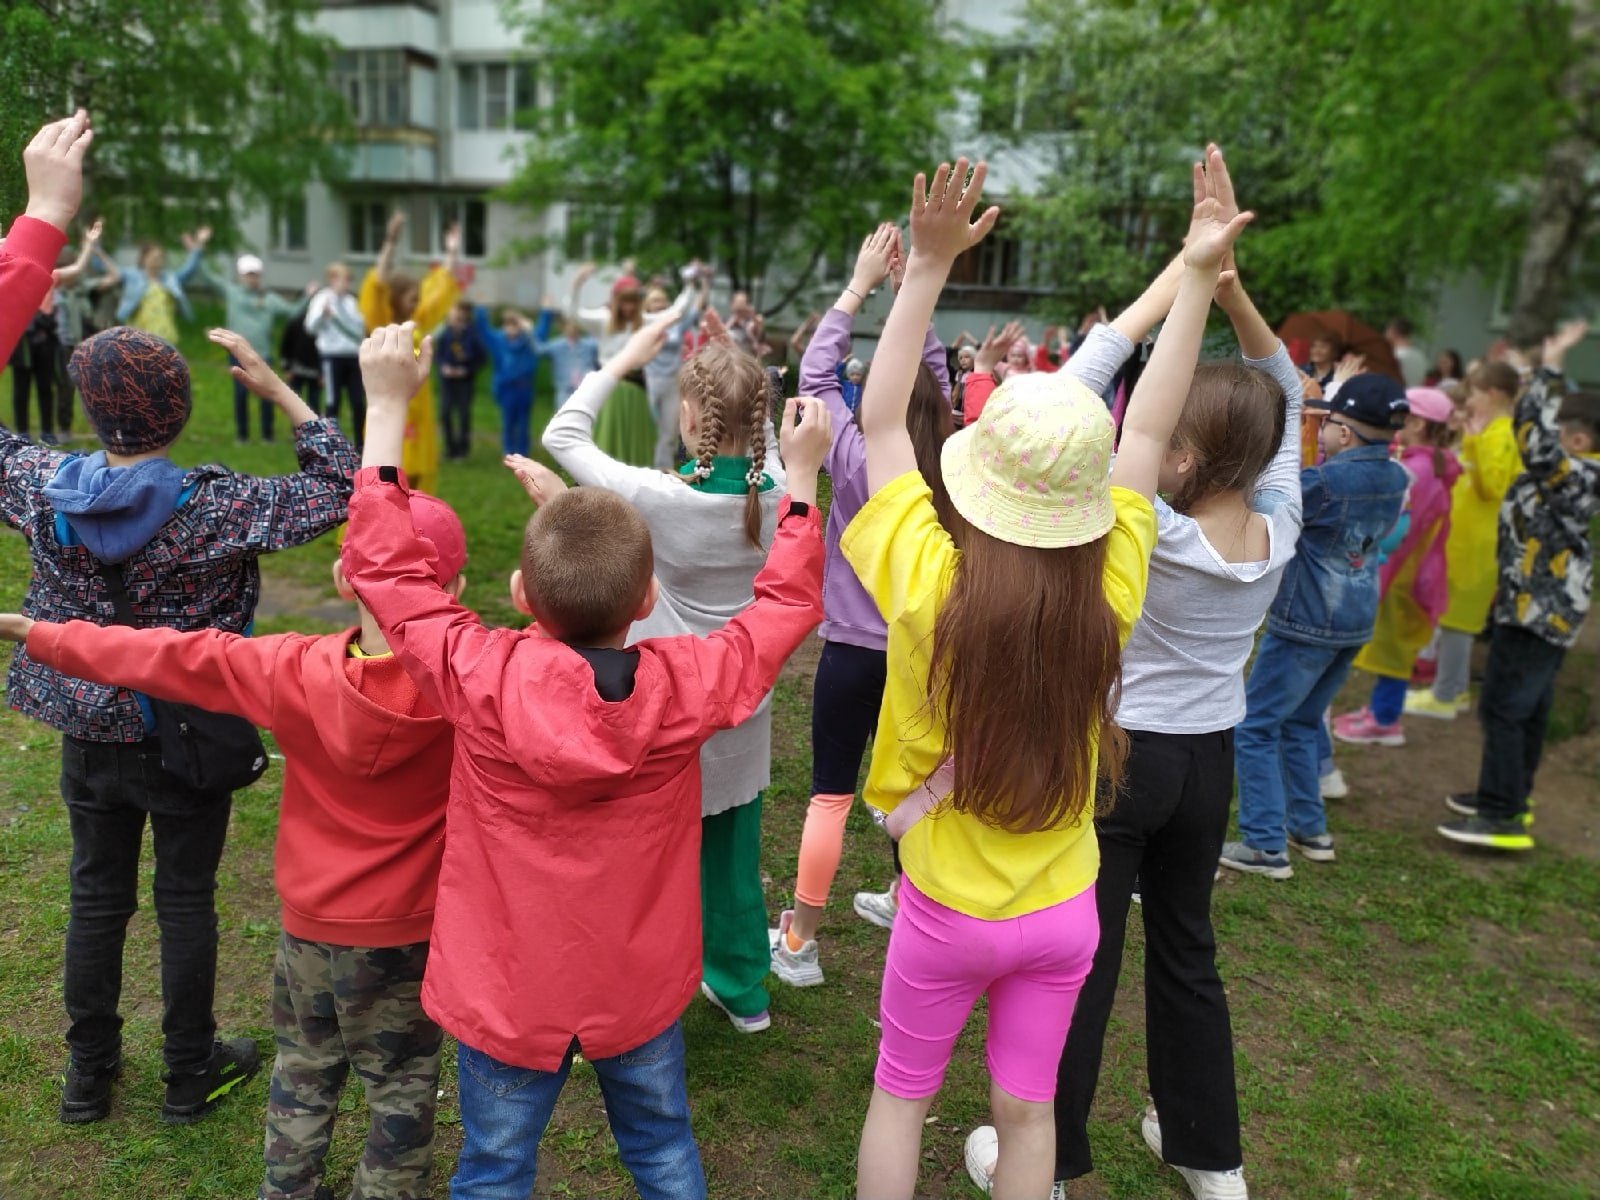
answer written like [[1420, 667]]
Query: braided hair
[[733, 395]]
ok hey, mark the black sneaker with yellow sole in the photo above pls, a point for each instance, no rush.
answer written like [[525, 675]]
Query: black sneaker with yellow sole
[[86, 1095], [234, 1061], [1466, 805], [1483, 831]]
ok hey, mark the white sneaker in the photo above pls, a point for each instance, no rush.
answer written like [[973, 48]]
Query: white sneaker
[[756, 1024], [1203, 1185], [1333, 786], [983, 1154], [877, 907], [797, 968]]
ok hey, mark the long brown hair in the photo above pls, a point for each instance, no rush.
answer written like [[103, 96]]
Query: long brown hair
[[732, 392], [1232, 424], [929, 421], [614, 321], [1026, 674]]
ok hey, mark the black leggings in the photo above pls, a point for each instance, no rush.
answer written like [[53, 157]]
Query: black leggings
[[39, 371], [1166, 831], [845, 698], [341, 376]]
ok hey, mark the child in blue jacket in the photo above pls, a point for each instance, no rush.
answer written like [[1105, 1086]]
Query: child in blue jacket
[[514, 353]]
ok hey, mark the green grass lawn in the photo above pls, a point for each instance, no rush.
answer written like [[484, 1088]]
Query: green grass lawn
[[1411, 1021]]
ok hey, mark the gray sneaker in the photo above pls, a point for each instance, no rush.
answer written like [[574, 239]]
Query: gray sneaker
[[1237, 856], [877, 907], [797, 968], [1318, 848]]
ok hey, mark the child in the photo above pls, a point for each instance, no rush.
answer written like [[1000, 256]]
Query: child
[[514, 351], [251, 311], [1412, 580], [300, 364], [709, 524], [566, 914], [334, 318], [851, 376], [1323, 613], [152, 296], [389, 296], [1546, 568], [983, 720], [360, 833], [850, 673], [186, 541], [572, 356], [625, 429], [462, 350], [1232, 471], [661, 372], [1489, 464]]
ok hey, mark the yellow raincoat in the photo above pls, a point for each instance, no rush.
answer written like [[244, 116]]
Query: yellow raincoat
[[436, 294], [1490, 464]]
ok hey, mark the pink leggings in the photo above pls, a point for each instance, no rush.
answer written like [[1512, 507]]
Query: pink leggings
[[940, 961]]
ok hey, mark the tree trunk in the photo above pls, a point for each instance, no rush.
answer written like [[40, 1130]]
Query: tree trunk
[[1560, 217]]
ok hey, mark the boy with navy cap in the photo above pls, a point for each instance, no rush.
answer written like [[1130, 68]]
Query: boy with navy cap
[[1323, 614]]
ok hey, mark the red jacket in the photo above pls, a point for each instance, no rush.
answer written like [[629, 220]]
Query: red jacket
[[569, 899], [361, 829], [26, 261]]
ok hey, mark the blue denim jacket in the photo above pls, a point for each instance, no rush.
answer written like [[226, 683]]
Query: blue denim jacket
[[1329, 592], [134, 283]]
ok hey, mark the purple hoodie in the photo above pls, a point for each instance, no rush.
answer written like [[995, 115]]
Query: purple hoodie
[[849, 614]]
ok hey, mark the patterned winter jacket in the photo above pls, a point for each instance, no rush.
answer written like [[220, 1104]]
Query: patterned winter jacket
[[198, 572], [1546, 558]]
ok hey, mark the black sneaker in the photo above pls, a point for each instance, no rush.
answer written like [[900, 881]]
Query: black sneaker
[[86, 1095], [189, 1097], [1466, 804], [1482, 831]]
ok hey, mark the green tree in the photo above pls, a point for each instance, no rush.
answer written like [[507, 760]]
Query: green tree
[[201, 108], [1384, 146], [764, 136]]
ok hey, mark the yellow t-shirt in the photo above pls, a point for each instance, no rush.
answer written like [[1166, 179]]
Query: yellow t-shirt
[[906, 561]]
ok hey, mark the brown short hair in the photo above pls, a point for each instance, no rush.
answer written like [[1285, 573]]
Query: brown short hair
[[586, 564], [1582, 410], [1496, 377]]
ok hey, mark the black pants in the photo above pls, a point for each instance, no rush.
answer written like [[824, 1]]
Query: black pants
[[308, 388], [341, 376], [455, 407], [38, 374], [1519, 685], [241, 410], [845, 698], [110, 788], [66, 394], [1166, 830]]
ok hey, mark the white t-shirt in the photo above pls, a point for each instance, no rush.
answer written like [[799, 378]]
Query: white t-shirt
[[1183, 667]]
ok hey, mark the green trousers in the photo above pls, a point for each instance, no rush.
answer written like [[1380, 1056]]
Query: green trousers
[[733, 909]]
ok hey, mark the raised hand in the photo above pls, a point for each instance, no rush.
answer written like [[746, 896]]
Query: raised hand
[[397, 223], [95, 230], [53, 163], [539, 481], [391, 370], [941, 213], [1212, 231], [1563, 339], [875, 258], [451, 239], [711, 327], [14, 627], [804, 444], [251, 370], [1229, 289], [1350, 364], [584, 273], [993, 349], [202, 236]]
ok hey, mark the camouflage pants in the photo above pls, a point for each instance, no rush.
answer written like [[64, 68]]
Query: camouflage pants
[[337, 1007]]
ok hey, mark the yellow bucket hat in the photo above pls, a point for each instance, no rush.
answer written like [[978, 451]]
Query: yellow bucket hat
[[1034, 470]]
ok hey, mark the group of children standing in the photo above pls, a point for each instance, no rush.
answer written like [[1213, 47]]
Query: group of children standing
[[545, 841]]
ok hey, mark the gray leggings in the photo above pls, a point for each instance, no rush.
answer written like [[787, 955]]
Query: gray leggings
[[1455, 665], [664, 405]]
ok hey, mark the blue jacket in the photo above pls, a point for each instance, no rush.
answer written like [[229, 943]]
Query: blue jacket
[[1329, 592], [134, 284], [515, 359], [460, 348], [570, 362]]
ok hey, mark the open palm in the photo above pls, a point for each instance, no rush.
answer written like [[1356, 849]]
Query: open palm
[[1217, 221], [941, 213]]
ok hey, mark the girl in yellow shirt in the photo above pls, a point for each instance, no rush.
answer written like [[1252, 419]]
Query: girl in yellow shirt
[[1004, 654]]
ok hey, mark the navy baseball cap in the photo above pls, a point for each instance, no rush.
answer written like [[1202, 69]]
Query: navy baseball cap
[[1372, 399]]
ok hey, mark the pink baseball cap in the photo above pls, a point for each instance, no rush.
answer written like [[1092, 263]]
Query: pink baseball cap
[[435, 520], [1430, 404]]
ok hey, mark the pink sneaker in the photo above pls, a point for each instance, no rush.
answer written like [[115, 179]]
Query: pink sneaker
[[1359, 729]]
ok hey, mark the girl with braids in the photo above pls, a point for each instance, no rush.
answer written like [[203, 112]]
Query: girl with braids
[[710, 524], [1006, 631]]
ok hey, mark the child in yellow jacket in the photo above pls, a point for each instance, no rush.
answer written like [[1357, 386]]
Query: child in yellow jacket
[[1490, 464]]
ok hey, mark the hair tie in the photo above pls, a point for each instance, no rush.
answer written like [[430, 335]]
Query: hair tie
[[702, 470], [752, 477]]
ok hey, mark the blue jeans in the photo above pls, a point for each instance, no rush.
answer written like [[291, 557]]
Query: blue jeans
[[504, 1111], [1276, 745], [516, 411]]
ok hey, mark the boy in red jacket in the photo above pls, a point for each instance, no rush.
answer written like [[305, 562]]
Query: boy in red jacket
[[360, 834], [569, 907]]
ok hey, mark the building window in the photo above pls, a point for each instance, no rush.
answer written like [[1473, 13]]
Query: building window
[[1024, 92], [374, 85], [490, 95], [473, 217], [289, 225], [1002, 262], [368, 221]]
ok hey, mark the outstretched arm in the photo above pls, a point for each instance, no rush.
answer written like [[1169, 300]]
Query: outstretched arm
[[68, 275], [941, 228], [1159, 398], [384, 267]]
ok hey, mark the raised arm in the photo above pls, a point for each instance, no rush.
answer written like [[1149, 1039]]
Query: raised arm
[[53, 163], [384, 267], [70, 274], [1538, 435], [1158, 400], [941, 228], [591, 319], [1260, 348]]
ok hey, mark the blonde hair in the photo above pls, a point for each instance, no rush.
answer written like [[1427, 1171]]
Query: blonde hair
[[586, 564], [734, 396]]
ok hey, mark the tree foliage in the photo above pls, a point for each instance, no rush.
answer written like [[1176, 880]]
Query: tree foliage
[[1383, 145], [763, 136], [201, 108]]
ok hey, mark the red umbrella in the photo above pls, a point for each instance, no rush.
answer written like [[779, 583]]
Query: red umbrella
[[1356, 336]]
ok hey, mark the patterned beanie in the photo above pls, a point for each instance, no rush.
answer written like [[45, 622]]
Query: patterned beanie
[[135, 389]]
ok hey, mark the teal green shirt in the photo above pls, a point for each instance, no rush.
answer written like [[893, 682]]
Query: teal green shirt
[[251, 314], [728, 473]]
